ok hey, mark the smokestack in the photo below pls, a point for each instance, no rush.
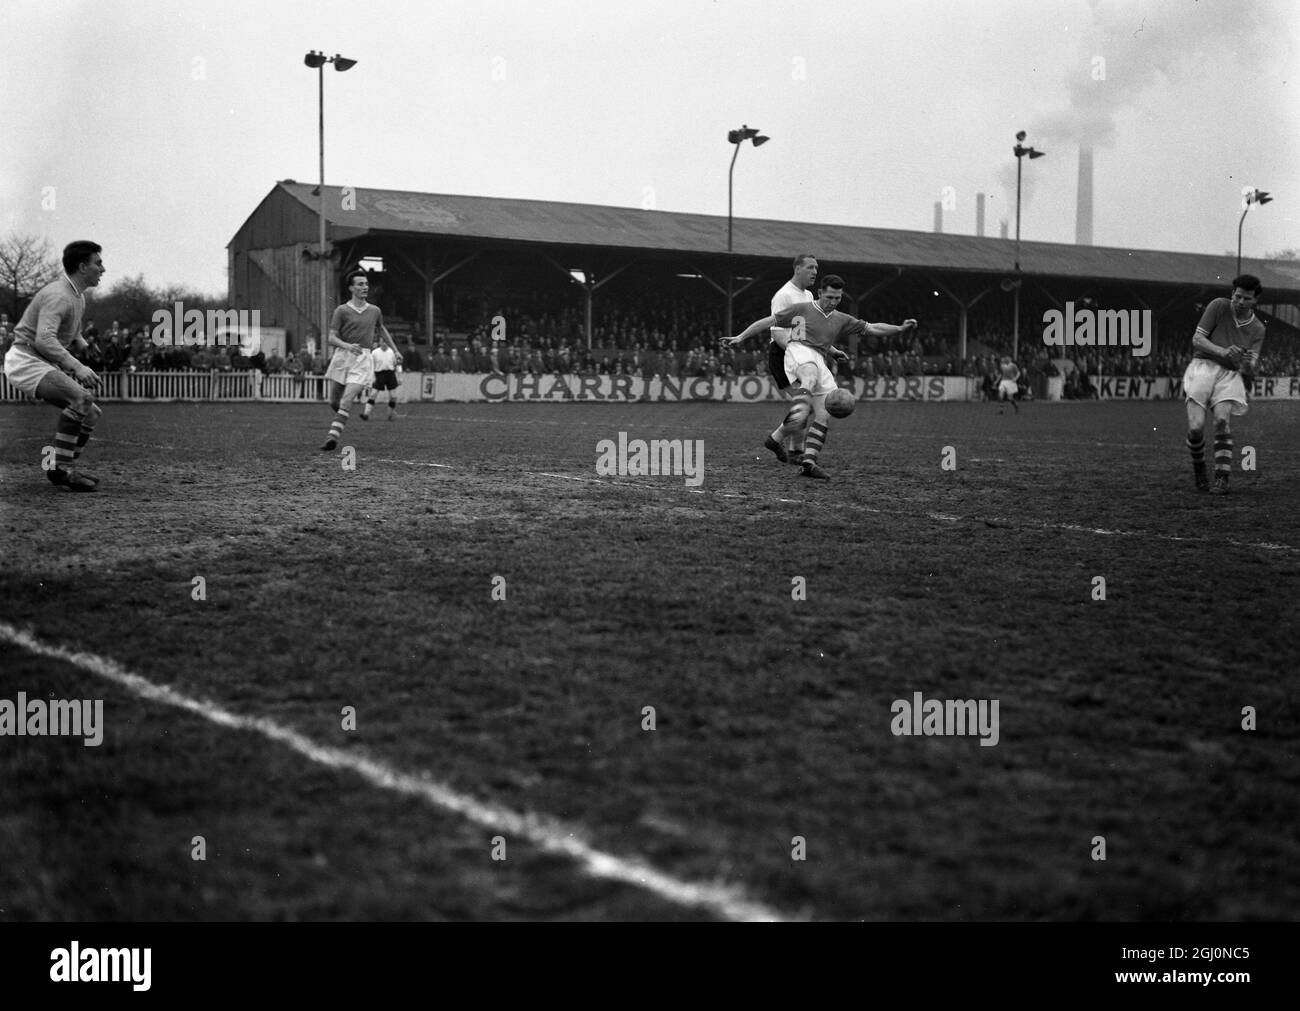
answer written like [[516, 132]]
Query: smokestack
[[979, 214], [938, 216], [1004, 230], [1083, 223]]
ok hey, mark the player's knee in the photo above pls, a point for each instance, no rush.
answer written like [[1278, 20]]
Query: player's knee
[[84, 403], [798, 415], [91, 415]]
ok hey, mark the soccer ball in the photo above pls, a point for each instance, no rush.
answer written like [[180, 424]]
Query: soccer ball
[[840, 403]]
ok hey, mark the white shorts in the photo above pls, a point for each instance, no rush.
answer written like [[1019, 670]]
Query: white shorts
[[24, 369], [800, 353], [348, 368], [1209, 383], [1009, 387]]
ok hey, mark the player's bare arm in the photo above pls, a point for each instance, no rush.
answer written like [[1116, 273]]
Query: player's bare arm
[[890, 329], [766, 323]]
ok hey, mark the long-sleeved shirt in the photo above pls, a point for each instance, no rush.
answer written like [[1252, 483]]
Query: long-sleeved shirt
[[51, 321]]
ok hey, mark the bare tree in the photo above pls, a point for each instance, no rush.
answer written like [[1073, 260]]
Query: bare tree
[[1285, 254], [27, 264]]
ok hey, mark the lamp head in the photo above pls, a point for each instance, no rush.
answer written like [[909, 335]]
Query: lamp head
[[342, 63], [314, 59]]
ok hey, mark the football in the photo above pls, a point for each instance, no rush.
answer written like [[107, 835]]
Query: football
[[840, 403]]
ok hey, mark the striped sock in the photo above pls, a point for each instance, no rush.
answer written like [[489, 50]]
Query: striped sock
[[1196, 446], [791, 428], [814, 442], [1222, 453], [87, 429], [340, 419], [65, 438]]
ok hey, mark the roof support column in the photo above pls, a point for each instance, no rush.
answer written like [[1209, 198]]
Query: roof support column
[[589, 288], [430, 278]]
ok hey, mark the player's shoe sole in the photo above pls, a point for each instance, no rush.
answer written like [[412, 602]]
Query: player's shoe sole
[[812, 470], [777, 449], [328, 445], [70, 480]]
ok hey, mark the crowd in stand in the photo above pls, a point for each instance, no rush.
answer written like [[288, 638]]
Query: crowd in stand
[[670, 338]]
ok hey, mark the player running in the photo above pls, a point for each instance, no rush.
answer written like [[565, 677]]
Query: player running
[[386, 362], [352, 335], [1225, 354], [816, 326], [794, 292], [1009, 384], [38, 361]]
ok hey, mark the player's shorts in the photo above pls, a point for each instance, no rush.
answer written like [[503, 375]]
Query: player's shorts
[[1209, 383], [25, 369], [348, 368], [776, 365], [1009, 387], [801, 353], [386, 379]]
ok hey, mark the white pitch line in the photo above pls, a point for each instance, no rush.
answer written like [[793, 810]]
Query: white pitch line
[[414, 463], [1002, 521], [728, 902]]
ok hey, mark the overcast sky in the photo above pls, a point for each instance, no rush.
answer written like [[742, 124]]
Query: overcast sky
[[155, 128]]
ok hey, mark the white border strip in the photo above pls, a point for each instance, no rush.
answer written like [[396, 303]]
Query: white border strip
[[727, 902]]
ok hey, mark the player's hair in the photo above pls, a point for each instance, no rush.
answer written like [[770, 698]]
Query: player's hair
[[353, 275], [798, 260], [831, 281], [79, 252], [1248, 282]]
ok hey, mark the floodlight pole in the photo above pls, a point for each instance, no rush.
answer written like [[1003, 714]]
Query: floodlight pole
[[727, 330], [317, 61], [320, 250], [736, 138], [1019, 151]]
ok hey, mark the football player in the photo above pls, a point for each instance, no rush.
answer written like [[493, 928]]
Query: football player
[[39, 364], [815, 327], [353, 330], [1225, 354]]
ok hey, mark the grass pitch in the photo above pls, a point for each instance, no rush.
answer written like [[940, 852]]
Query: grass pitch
[[373, 588]]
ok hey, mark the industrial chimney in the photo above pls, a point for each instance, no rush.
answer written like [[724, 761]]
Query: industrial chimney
[[1083, 223], [979, 214], [1004, 230], [938, 216]]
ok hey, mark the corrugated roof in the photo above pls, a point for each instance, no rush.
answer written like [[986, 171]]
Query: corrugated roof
[[551, 222]]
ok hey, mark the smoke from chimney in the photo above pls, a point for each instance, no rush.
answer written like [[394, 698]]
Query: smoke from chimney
[[1083, 211]]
